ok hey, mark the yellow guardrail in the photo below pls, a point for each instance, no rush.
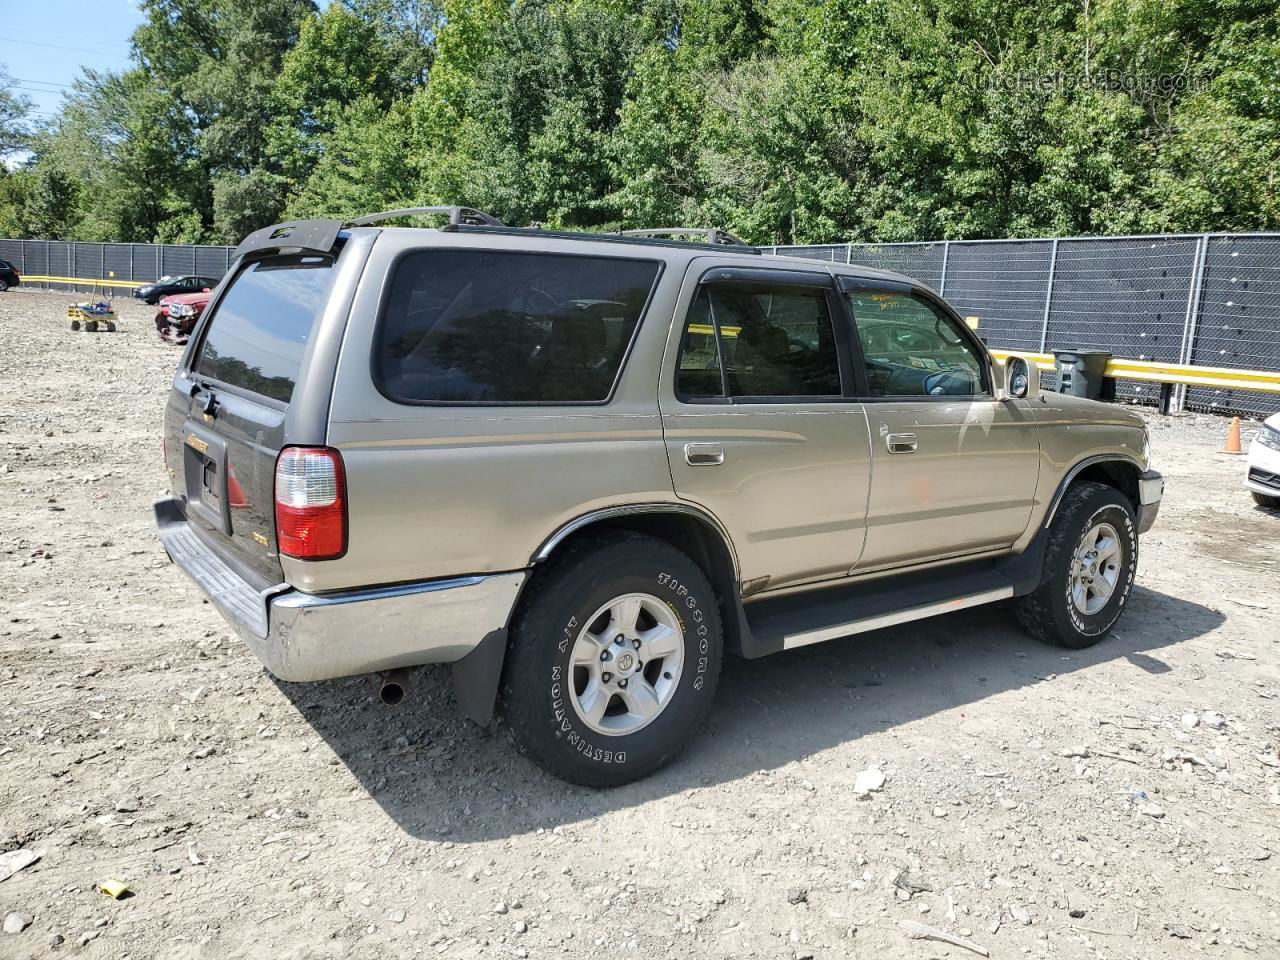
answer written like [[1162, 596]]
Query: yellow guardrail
[[1225, 378], [81, 281]]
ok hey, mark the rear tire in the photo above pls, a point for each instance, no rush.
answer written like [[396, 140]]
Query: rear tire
[[1089, 566], [4, 286], [1266, 500], [614, 659], [75, 324]]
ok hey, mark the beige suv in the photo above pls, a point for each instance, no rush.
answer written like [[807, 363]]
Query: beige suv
[[581, 468]]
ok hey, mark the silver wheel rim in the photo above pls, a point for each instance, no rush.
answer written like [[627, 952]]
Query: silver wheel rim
[[626, 664], [1095, 568]]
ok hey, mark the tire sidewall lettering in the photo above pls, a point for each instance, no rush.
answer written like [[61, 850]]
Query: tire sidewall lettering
[[1091, 626], [695, 633]]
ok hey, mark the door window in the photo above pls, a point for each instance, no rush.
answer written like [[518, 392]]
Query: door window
[[913, 349], [758, 341]]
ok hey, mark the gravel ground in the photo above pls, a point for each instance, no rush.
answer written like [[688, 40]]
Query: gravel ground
[[1118, 802]]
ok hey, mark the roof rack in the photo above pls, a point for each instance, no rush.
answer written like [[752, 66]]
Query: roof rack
[[710, 234], [590, 237], [457, 215]]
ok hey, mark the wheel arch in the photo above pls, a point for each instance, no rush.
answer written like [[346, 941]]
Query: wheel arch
[[693, 531], [1113, 470]]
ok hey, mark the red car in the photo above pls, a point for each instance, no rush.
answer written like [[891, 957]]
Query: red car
[[177, 315]]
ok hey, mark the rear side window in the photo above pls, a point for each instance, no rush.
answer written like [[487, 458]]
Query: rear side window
[[474, 326], [260, 329]]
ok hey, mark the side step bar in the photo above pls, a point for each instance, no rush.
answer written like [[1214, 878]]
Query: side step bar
[[799, 619], [804, 638]]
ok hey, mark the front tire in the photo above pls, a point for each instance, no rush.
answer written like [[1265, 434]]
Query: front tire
[[1266, 500], [1089, 566], [614, 659]]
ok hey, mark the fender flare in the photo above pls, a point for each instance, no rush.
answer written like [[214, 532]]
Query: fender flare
[[565, 530], [1076, 470]]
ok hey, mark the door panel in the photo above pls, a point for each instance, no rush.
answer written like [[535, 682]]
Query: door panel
[[791, 484], [953, 469], [757, 429], [967, 485]]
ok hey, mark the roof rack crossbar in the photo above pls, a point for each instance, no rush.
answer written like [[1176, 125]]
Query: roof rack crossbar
[[710, 234], [457, 215]]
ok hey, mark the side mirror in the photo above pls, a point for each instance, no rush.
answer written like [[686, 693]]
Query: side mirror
[[1022, 379]]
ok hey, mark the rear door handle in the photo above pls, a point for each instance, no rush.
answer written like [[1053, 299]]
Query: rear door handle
[[901, 442], [703, 454]]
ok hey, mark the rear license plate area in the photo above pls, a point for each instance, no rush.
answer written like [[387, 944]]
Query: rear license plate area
[[204, 458]]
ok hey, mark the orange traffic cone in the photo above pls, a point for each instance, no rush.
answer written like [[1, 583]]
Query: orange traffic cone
[[1233, 437]]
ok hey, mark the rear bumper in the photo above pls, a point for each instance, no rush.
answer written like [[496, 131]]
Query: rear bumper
[[1150, 493], [303, 636]]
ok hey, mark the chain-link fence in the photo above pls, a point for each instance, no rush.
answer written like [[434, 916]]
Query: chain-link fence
[[1208, 299], [109, 267]]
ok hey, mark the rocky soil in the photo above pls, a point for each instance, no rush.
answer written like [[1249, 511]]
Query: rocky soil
[[1119, 802]]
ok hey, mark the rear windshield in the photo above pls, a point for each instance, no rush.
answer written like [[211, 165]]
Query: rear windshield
[[470, 326], [259, 331]]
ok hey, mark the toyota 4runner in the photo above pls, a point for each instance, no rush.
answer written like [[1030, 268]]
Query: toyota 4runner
[[581, 468]]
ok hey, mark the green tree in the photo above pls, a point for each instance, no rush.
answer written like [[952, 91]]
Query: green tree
[[14, 109]]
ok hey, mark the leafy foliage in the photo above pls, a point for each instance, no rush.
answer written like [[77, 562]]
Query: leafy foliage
[[783, 120]]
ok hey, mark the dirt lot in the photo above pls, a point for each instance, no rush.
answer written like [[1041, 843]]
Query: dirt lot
[[140, 742]]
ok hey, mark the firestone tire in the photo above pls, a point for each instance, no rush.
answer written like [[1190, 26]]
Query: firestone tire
[[576, 625], [1089, 567]]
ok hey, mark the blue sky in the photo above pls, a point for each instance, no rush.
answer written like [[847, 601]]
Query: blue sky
[[44, 43]]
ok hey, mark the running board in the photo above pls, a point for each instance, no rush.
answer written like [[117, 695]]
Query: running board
[[803, 639], [797, 620]]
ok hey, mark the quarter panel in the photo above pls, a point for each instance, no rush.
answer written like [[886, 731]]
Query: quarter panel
[[439, 491]]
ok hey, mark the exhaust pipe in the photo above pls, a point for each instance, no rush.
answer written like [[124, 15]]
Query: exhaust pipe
[[395, 686]]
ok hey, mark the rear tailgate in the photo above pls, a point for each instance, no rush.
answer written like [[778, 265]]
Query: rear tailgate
[[225, 420]]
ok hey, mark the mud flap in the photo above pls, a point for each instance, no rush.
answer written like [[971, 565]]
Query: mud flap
[[476, 677]]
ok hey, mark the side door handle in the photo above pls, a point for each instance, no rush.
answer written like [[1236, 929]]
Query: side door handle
[[703, 454], [900, 442]]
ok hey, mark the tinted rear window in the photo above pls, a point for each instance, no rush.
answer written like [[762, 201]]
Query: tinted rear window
[[259, 331], [469, 326]]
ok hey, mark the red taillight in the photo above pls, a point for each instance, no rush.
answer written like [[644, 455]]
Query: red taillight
[[311, 505]]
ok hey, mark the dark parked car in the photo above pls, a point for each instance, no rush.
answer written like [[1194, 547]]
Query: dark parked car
[[167, 286], [8, 276]]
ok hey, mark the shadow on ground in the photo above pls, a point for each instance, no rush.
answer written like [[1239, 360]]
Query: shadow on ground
[[441, 777]]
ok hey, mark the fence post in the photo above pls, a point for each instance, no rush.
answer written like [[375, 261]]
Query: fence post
[[1192, 318], [848, 253], [946, 252], [1048, 295]]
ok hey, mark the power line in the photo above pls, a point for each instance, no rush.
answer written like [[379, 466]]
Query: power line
[[64, 86], [58, 46]]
